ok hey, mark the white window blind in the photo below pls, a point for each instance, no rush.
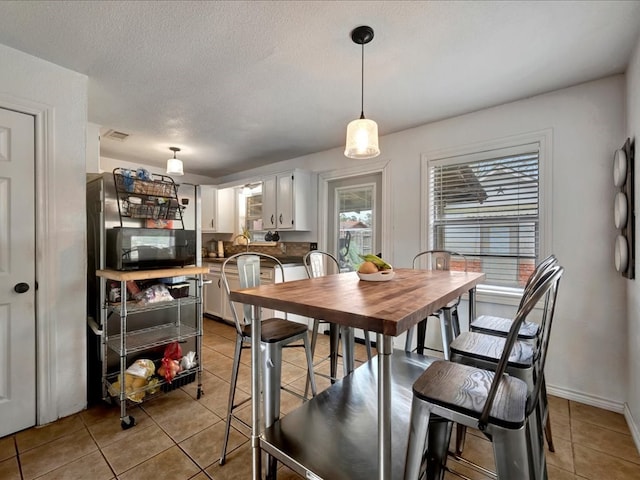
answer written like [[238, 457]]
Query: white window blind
[[486, 206]]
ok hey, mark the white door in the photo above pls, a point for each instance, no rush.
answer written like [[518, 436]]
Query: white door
[[17, 273]]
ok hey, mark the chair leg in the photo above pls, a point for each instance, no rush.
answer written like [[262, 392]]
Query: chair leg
[[445, 331], [547, 417], [408, 340], [536, 442], [310, 374], [547, 434], [511, 454], [422, 335], [461, 433], [348, 345], [418, 429], [334, 340], [314, 339], [232, 394], [367, 342], [455, 322], [438, 447]]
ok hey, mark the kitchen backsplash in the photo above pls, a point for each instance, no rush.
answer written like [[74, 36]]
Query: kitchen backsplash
[[289, 249]]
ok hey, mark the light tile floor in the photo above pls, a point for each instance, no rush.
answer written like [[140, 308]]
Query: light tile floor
[[178, 437]]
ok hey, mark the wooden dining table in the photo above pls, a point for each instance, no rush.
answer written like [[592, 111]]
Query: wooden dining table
[[387, 308]]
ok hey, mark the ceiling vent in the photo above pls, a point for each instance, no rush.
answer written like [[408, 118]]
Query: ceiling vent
[[115, 135]]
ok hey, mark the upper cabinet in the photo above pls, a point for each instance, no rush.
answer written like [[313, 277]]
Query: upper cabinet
[[218, 209], [287, 201]]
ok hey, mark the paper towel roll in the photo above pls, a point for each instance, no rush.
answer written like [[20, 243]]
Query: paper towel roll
[[220, 249]]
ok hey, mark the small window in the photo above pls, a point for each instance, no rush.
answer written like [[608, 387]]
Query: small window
[[486, 206]]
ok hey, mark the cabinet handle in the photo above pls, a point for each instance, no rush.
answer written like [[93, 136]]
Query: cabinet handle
[[212, 223], [218, 283], [280, 219], [272, 223]]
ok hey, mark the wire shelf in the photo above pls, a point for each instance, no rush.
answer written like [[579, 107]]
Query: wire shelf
[[147, 338]]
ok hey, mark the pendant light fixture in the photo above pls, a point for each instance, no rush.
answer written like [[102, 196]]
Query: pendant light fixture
[[362, 134], [174, 165]]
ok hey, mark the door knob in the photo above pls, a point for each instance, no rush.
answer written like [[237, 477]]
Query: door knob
[[21, 287]]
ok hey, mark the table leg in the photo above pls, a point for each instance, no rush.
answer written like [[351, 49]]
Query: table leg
[[255, 394], [385, 347]]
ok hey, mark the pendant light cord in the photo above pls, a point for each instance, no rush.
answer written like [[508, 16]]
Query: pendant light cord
[[362, 85]]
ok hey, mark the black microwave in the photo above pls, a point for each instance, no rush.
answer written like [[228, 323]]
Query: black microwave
[[149, 248]]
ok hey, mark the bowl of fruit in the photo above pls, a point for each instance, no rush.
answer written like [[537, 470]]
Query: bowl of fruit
[[374, 269]]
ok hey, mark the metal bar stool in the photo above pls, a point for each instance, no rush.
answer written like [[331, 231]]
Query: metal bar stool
[[529, 331], [483, 351], [500, 405], [448, 315], [317, 264], [277, 333]]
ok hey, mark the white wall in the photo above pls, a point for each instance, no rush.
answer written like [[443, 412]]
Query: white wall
[[26, 80], [588, 355], [633, 287]]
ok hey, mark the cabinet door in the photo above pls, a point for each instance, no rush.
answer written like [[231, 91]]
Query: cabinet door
[[269, 212], [212, 297], [284, 202], [225, 210], [208, 209]]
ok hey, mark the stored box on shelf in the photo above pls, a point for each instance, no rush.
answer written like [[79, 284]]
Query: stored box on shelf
[[180, 380], [179, 290]]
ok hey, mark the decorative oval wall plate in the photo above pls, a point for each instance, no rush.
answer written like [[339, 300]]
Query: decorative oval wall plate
[[621, 254], [619, 167], [620, 210]]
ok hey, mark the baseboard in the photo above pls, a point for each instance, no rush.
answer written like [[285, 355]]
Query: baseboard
[[591, 400], [633, 426]]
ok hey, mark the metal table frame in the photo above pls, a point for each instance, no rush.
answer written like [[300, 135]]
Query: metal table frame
[[264, 296]]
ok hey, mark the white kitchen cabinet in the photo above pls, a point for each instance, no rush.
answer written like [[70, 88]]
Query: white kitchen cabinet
[[287, 201], [218, 209], [216, 301], [213, 291]]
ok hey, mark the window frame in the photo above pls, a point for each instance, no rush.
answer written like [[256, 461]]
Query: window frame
[[489, 149]]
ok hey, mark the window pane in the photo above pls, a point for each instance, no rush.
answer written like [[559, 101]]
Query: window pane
[[487, 210], [355, 214]]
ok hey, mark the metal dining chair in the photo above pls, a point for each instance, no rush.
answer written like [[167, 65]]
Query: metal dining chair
[[500, 405], [483, 351], [492, 325], [528, 333], [448, 315], [276, 334], [318, 264]]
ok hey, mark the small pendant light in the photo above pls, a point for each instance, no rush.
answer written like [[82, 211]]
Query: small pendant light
[[174, 165], [362, 134]]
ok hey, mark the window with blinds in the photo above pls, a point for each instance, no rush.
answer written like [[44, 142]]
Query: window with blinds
[[486, 207]]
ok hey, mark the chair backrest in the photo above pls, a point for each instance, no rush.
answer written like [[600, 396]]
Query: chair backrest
[[318, 264], [538, 272], [544, 289], [440, 260], [248, 265]]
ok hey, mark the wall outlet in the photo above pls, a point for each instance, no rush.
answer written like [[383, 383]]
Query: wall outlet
[[313, 246]]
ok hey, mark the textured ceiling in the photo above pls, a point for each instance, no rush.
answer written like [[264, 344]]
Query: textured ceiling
[[240, 84]]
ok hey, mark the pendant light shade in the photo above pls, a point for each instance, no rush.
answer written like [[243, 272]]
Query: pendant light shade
[[174, 165], [362, 134], [362, 139]]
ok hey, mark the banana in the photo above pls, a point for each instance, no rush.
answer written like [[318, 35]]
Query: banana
[[377, 261]]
